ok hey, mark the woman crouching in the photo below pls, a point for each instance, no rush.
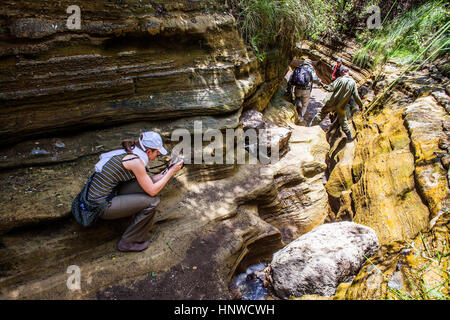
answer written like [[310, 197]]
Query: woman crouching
[[121, 187]]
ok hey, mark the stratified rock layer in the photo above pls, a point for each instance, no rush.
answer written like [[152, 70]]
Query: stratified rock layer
[[428, 124], [394, 179], [130, 61]]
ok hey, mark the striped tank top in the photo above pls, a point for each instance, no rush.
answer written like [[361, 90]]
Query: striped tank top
[[113, 173]]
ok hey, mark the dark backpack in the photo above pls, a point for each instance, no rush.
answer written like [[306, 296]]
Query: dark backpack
[[301, 77]]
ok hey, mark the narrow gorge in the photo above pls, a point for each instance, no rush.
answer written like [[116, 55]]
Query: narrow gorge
[[69, 95]]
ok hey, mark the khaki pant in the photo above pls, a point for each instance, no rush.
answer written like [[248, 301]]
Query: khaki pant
[[342, 118], [302, 98], [133, 201]]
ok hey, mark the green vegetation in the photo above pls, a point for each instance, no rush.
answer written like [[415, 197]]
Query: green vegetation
[[266, 24], [418, 288], [407, 28], [435, 39], [408, 34], [431, 264]]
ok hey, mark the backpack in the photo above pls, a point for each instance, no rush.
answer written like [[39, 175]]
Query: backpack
[[302, 76], [87, 212]]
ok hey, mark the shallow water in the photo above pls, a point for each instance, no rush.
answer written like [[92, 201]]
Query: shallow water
[[249, 285]]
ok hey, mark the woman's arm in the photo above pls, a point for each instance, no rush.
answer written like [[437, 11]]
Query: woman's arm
[[159, 176], [144, 180]]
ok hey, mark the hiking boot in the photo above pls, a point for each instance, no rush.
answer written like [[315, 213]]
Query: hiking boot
[[132, 246], [351, 138], [304, 112], [314, 121], [302, 122]]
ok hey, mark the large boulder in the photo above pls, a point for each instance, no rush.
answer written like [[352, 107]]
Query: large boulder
[[319, 260]]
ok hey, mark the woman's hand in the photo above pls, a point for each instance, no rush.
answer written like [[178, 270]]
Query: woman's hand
[[177, 167], [151, 187]]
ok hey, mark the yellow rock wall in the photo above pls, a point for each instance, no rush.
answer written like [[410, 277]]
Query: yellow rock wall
[[395, 175]]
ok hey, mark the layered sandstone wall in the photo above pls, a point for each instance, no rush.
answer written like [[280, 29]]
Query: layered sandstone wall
[[394, 179], [132, 66], [130, 61], [69, 95]]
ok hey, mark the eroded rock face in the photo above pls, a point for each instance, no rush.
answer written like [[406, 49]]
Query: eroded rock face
[[383, 169], [427, 122], [394, 179], [129, 62], [319, 260]]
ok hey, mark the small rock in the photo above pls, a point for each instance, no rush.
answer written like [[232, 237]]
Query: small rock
[[252, 119], [396, 281]]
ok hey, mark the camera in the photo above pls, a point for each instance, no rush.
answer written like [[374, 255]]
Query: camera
[[173, 161], [168, 162]]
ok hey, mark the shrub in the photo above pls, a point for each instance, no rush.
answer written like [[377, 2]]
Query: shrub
[[403, 37]]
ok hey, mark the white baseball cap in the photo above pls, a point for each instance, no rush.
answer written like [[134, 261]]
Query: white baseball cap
[[151, 139]]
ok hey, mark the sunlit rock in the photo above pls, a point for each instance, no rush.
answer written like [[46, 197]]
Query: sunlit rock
[[319, 260]]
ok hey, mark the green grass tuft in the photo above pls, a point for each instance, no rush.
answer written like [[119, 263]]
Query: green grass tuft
[[401, 39], [266, 24]]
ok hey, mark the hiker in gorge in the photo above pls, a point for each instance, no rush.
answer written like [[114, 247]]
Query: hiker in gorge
[[336, 72], [121, 187], [302, 78], [343, 89]]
